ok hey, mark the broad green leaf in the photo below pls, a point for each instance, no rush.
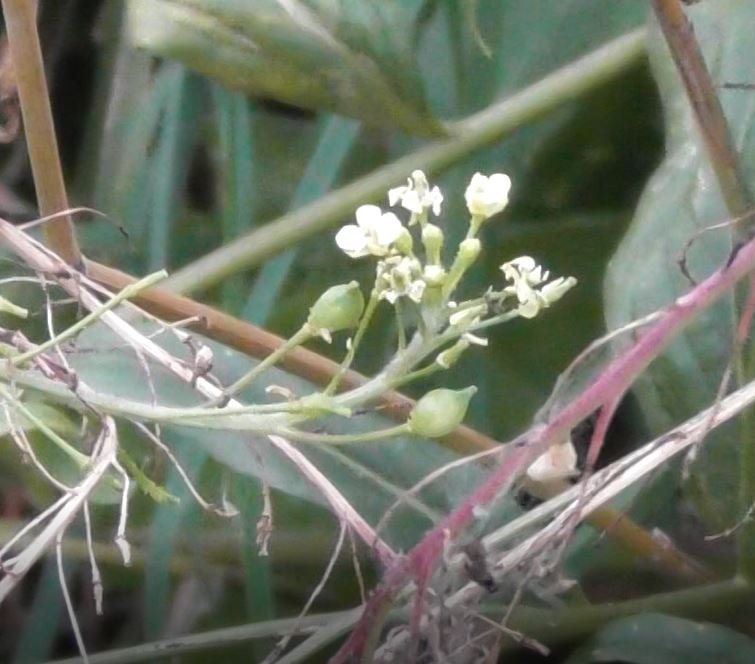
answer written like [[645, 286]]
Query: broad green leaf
[[682, 199], [236, 172], [354, 58], [655, 638], [372, 476]]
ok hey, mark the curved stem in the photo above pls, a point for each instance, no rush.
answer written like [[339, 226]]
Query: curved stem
[[552, 92], [364, 323], [342, 439], [304, 334]]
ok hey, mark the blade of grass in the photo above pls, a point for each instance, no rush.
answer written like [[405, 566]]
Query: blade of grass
[[172, 159], [258, 586], [233, 116], [337, 136], [167, 520]]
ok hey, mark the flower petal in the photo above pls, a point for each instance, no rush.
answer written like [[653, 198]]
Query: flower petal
[[368, 216], [352, 240], [387, 229]]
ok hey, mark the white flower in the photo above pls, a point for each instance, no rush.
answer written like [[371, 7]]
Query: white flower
[[525, 269], [555, 290], [416, 196], [525, 276], [559, 462], [487, 196], [374, 232], [399, 276], [465, 319]]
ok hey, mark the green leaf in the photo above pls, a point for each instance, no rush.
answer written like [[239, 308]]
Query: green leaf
[[682, 199], [353, 58], [371, 476], [655, 638], [236, 172]]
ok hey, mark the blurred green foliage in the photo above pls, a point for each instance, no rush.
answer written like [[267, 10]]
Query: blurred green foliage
[[230, 113]]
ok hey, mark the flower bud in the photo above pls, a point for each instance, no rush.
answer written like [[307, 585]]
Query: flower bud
[[432, 238], [434, 275], [404, 242], [338, 308], [440, 411], [447, 358]]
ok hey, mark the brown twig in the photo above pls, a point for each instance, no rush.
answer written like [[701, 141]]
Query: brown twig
[[26, 55], [680, 36], [706, 106], [257, 342]]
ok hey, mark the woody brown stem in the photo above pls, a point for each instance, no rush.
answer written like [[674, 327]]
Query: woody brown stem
[[26, 55]]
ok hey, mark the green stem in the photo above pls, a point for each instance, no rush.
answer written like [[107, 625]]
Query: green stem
[[424, 372], [567, 624], [301, 336], [342, 439], [481, 129], [81, 460], [128, 292], [552, 627], [369, 311]]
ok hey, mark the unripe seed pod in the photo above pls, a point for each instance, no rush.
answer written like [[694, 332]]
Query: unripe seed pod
[[338, 308], [440, 411]]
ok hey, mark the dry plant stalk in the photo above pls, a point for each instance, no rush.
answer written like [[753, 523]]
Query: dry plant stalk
[[104, 456]]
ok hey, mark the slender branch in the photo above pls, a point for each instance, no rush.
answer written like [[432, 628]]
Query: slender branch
[[611, 382], [551, 626], [481, 129], [706, 105], [26, 53], [257, 342]]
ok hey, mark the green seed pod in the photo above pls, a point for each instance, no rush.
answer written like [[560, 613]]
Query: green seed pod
[[440, 411], [338, 308]]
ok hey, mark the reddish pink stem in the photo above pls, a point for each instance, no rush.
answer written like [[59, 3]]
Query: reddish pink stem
[[607, 387], [599, 433]]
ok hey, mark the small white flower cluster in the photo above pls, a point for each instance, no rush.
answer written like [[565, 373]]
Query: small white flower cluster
[[528, 284], [429, 282], [400, 276], [377, 233]]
